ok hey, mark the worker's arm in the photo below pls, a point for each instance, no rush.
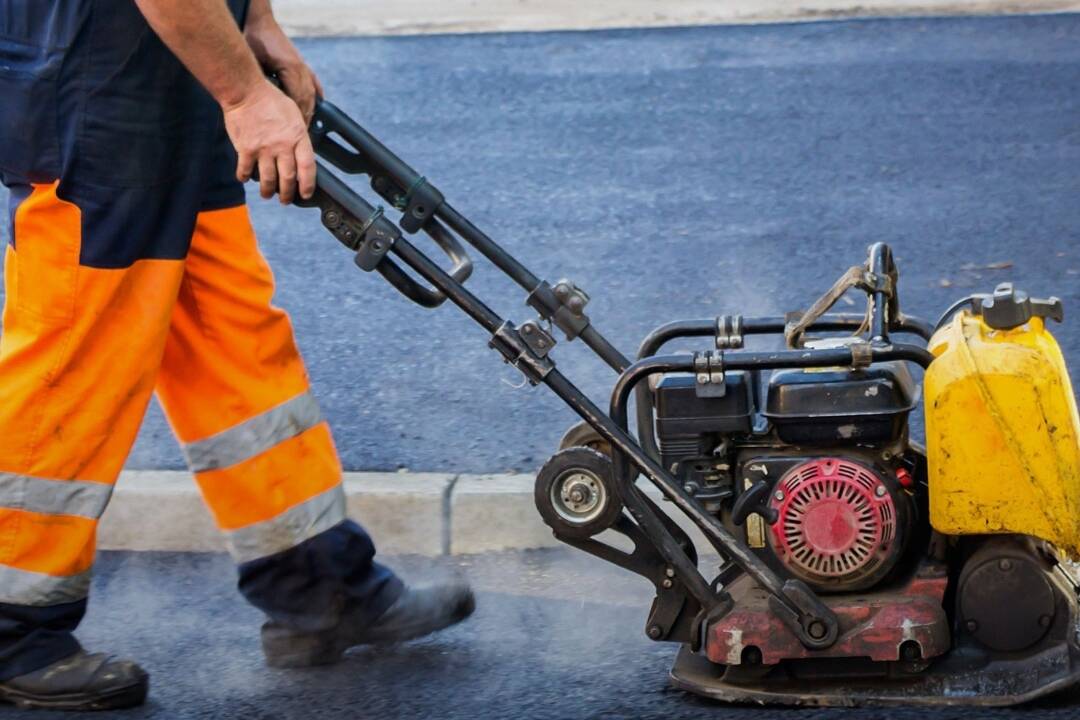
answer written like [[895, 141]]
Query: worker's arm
[[278, 56], [265, 126]]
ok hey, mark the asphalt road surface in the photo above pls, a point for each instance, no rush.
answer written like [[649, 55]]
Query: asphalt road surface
[[556, 635], [676, 174]]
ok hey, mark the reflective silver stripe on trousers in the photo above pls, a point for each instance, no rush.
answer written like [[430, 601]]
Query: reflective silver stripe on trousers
[[255, 436], [22, 587], [54, 497], [289, 529]]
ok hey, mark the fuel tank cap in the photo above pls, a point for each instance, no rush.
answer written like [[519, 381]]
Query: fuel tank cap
[[1009, 308]]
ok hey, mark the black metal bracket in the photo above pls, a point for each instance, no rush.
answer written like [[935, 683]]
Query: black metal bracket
[[709, 374], [563, 305], [509, 343], [862, 355], [873, 282], [539, 340], [729, 332], [372, 235], [417, 203]]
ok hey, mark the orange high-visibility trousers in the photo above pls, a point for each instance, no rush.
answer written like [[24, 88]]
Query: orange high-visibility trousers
[[81, 352], [83, 349]]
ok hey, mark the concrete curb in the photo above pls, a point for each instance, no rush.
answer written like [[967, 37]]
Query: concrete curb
[[407, 513], [418, 17]]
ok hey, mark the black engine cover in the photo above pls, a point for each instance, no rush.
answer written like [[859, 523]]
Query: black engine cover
[[685, 421], [840, 406]]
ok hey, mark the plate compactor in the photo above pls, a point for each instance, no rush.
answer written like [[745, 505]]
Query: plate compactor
[[842, 563]]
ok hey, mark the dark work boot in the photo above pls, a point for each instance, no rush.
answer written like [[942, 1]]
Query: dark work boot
[[80, 682], [416, 613]]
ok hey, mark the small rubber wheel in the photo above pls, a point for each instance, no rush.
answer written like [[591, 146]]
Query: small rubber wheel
[[583, 435], [576, 493]]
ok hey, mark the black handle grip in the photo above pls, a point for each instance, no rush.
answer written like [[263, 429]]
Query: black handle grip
[[415, 291]]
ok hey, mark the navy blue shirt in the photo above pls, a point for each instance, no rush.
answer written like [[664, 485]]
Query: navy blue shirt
[[93, 98]]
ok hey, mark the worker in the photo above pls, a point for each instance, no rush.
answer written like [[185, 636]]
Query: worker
[[126, 131]]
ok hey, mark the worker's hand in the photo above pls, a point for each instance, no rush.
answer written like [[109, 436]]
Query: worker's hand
[[278, 56], [268, 132]]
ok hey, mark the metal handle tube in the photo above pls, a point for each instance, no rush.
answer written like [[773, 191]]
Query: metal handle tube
[[607, 352], [369, 147], [881, 264], [837, 322]]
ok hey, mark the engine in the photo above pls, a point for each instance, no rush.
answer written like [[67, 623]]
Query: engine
[[812, 467]]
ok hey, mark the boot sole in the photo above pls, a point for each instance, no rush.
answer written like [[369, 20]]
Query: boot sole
[[124, 697]]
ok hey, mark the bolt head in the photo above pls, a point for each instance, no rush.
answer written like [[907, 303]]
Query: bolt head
[[1005, 565], [655, 632], [1045, 620], [816, 629], [779, 495], [972, 626], [667, 583], [880, 491]]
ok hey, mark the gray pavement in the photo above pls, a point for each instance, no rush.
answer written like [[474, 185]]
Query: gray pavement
[[676, 173], [557, 635], [418, 17]]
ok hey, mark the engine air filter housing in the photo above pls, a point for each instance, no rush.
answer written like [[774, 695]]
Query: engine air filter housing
[[837, 524]]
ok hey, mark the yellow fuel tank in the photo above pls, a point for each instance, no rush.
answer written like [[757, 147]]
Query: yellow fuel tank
[[1002, 432]]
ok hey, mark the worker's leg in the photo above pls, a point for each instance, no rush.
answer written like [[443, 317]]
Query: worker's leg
[[236, 393], [79, 353]]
